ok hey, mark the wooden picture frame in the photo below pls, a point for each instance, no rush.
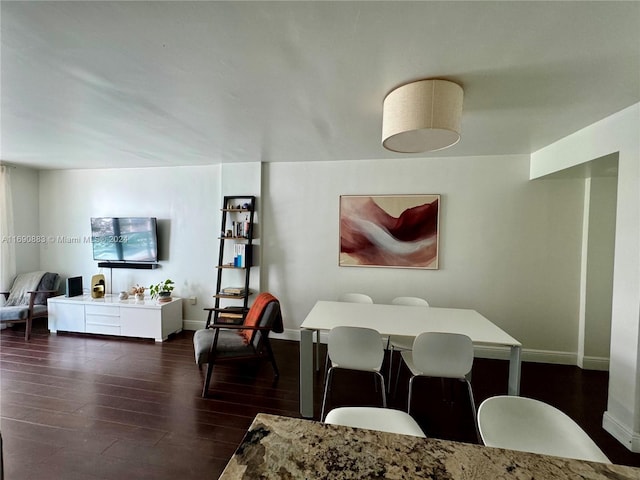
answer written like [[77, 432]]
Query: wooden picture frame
[[394, 231]]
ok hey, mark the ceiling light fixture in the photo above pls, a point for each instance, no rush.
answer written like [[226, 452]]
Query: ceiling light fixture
[[422, 116]]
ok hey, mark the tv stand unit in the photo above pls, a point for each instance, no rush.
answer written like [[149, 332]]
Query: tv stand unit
[[111, 316]]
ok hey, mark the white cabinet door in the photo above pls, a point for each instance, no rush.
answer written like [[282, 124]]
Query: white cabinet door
[[171, 318], [66, 317], [141, 322]]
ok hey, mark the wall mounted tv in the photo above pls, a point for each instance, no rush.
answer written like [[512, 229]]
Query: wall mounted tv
[[124, 239]]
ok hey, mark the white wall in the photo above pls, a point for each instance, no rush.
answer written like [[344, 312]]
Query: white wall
[[185, 200], [509, 248], [599, 273], [618, 133], [25, 192]]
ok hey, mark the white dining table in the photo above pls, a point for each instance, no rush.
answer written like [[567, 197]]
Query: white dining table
[[399, 320]]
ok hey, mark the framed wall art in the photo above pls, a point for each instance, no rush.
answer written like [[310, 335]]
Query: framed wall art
[[397, 231]]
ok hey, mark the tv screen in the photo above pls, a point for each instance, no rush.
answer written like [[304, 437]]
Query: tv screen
[[124, 239]]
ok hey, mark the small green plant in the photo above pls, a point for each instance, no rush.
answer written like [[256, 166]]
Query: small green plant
[[163, 288]]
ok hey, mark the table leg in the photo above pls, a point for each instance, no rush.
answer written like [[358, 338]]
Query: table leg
[[306, 373], [317, 350], [514, 371]]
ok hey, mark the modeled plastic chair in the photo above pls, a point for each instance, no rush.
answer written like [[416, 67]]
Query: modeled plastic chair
[[232, 343], [441, 355], [354, 348], [345, 297], [27, 299], [402, 342], [528, 425], [374, 418], [355, 298]]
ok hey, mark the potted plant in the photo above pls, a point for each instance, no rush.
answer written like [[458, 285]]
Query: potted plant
[[138, 292], [162, 291]]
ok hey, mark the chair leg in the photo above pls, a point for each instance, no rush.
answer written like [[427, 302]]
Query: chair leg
[[27, 329], [272, 358], [473, 410], [390, 349], [395, 387], [207, 380], [384, 395], [327, 382], [410, 395], [326, 364]]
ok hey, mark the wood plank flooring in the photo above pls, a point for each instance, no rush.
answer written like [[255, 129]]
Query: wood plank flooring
[[98, 408]]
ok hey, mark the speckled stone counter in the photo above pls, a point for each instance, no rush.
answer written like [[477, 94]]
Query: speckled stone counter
[[290, 448]]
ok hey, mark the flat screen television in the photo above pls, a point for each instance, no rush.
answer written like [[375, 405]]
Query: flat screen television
[[124, 239]]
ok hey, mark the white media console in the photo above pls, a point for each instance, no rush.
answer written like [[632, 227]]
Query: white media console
[[112, 316]]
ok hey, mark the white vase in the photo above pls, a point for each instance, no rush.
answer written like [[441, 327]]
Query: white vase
[[140, 297]]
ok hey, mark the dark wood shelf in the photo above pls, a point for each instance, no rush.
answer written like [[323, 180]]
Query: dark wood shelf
[[239, 223], [222, 295], [228, 309]]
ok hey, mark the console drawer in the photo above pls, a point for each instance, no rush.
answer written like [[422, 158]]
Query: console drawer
[[103, 310], [102, 319], [102, 328]]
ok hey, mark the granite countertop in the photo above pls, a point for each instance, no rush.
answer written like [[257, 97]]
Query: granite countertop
[[290, 448]]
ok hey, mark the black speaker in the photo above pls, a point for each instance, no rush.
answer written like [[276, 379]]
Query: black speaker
[[74, 286]]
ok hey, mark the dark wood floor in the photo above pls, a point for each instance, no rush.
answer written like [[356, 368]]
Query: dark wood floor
[[90, 408]]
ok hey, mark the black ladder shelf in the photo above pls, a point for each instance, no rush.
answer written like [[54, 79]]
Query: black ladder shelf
[[236, 254]]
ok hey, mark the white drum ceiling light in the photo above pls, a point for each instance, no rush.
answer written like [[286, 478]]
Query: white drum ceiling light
[[422, 116]]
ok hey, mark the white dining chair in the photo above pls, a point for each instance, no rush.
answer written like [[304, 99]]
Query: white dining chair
[[354, 348], [529, 425], [355, 298], [345, 297], [441, 355], [375, 418], [401, 342]]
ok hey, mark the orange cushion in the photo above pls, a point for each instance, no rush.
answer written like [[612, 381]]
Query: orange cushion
[[255, 314]]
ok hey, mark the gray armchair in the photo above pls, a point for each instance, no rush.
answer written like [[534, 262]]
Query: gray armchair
[[27, 298], [249, 341]]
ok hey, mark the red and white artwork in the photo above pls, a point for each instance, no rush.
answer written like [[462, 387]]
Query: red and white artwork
[[389, 231]]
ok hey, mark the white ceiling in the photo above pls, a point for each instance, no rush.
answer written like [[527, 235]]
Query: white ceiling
[[124, 84]]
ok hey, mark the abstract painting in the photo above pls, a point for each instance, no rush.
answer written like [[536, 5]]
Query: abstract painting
[[389, 231]]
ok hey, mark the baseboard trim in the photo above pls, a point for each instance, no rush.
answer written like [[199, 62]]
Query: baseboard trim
[[193, 324], [595, 363], [291, 334], [626, 437], [527, 355], [484, 351]]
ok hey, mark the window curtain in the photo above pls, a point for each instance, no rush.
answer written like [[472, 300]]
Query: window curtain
[[7, 246]]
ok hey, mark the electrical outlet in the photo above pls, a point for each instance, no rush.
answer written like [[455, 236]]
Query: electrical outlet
[[193, 300]]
